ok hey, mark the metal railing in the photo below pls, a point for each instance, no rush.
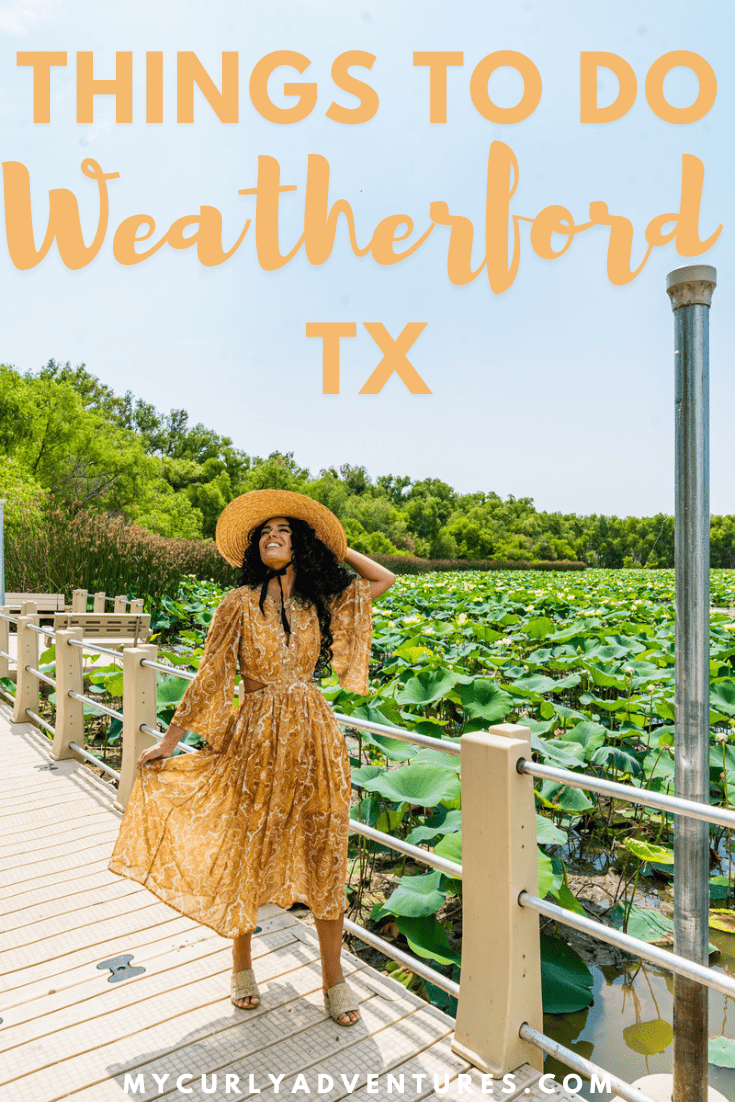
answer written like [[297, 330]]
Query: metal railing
[[142, 660]]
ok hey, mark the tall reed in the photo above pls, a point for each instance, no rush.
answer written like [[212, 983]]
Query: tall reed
[[49, 550]]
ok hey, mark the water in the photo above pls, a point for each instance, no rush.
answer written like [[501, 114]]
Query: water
[[627, 1030]]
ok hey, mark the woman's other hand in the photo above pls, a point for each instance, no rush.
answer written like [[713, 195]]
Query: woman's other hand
[[163, 749], [151, 754]]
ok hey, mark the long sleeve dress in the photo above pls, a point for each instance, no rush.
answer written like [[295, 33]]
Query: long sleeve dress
[[261, 814]]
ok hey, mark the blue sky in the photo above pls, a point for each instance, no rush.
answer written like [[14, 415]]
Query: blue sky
[[560, 389]]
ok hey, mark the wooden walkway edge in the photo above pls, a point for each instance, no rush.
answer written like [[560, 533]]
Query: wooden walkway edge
[[66, 1032]]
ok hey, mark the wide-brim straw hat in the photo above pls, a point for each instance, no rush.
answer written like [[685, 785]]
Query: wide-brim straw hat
[[249, 510]]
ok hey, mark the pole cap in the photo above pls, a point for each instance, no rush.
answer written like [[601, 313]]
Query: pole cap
[[691, 285]]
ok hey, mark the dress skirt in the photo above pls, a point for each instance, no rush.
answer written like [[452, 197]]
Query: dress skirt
[[262, 819]]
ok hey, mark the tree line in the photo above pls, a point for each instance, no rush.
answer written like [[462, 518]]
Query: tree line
[[67, 437]]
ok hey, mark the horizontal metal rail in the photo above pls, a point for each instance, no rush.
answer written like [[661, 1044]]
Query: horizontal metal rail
[[398, 955], [40, 630], [93, 758], [672, 962], [578, 1063], [449, 868], [4, 654], [675, 805], [41, 722], [93, 704], [10, 619], [93, 647], [159, 735], [41, 676], [173, 670], [444, 745]]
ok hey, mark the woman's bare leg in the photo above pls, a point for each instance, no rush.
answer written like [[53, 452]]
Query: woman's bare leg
[[330, 948], [241, 959]]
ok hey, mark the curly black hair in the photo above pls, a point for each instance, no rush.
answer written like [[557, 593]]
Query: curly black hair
[[319, 578]]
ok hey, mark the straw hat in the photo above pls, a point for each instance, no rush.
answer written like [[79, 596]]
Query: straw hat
[[248, 510]]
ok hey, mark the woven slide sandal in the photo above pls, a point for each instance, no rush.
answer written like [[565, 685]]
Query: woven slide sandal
[[338, 1000], [244, 985]]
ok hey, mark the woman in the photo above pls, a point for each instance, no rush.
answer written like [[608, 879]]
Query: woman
[[261, 814]]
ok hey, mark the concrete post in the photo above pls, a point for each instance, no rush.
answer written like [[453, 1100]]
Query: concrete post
[[99, 602], [27, 688], [69, 712], [4, 641], [121, 604], [139, 706], [79, 600], [500, 988]]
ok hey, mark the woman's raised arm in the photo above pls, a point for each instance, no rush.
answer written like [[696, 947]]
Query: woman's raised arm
[[380, 579]]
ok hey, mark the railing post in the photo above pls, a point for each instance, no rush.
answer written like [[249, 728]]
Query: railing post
[[27, 686], [121, 604], [79, 600], [139, 706], [136, 606], [4, 642], [69, 712], [99, 602], [500, 987]]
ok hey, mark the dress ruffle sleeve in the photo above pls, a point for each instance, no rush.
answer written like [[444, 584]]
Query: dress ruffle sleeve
[[207, 707], [352, 631]]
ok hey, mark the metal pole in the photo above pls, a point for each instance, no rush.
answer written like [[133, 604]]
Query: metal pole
[[2, 552], [690, 290]]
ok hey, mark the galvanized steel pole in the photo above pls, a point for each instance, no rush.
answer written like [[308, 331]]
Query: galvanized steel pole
[[691, 290]]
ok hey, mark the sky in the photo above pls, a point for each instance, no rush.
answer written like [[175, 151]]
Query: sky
[[559, 388]]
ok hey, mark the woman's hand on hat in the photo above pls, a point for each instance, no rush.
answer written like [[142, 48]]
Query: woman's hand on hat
[[380, 579]]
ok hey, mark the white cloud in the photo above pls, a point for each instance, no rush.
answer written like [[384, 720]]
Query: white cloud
[[19, 16]]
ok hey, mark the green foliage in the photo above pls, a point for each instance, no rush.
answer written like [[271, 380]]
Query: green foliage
[[67, 432]]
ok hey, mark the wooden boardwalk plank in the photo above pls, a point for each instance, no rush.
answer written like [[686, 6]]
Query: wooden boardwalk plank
[[67, 1033]]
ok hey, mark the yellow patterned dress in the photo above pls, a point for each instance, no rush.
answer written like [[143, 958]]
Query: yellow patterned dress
[[261, 814]]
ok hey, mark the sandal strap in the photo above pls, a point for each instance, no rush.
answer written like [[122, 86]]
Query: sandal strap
[[339, 999], [244, 985]]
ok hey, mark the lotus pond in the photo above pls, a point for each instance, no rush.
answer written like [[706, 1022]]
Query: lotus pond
[[586, 661]]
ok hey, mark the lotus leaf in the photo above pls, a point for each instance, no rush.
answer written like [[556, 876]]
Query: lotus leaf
[[589, 735], [436, 757], [427, 687], [547, 834], [450, 847], [539, 627], [415, 896], [533, 683], [619, 759], [428, 938], [566, 898], [722, 920], [721, 1052], [545, 873], [363, 773], [170, 691], [566, 980], [561, 796], [426, 785], [719, 888], [647, 851], [646, 924], [484, 699], [649, 1038]]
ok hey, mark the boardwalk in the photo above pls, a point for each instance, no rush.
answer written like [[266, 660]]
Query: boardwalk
[[68, 1033]]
